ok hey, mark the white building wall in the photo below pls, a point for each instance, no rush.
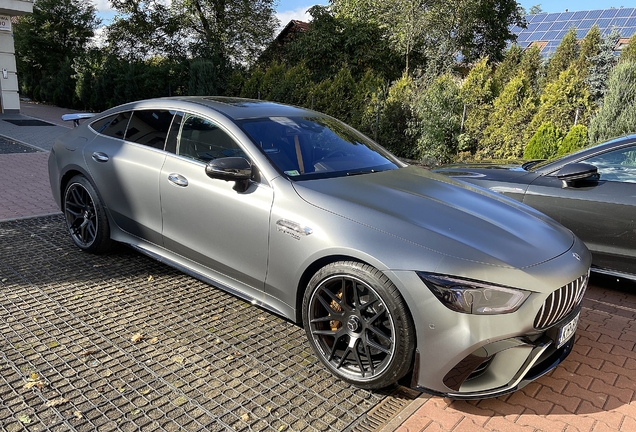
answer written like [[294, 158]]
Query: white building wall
[[9, 97]]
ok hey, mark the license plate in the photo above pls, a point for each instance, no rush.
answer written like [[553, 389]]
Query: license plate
[[567, 331]]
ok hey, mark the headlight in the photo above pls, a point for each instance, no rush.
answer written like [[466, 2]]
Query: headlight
[[473, 297]]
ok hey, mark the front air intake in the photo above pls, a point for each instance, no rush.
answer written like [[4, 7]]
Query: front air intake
[[561, 302]]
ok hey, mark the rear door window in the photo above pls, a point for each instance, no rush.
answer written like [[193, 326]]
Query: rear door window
[[149, 127], [112, 126]]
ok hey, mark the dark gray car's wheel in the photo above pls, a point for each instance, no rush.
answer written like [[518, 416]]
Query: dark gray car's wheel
[[85, 216], [358, 324]]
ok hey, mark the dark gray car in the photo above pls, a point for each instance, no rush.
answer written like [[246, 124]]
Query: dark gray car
[[394, 272], [592, 192]]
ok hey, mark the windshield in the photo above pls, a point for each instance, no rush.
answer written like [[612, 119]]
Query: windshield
[[317, 147]]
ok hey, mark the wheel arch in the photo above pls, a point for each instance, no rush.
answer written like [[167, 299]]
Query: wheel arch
[[311, 270], [66, 177]]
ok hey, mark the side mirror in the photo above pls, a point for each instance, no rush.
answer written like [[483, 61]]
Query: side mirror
[[573, 172], [235, 169]]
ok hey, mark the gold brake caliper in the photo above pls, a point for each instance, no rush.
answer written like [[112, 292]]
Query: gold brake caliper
[[335, 324]]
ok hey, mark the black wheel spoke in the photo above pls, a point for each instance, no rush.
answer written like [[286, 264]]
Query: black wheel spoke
[[81, 215], [380, 333], [356, 355], [378, 347], [367, 352], [357, 340]]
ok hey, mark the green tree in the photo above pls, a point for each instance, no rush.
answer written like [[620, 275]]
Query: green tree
[[508, 68], [143, 29], [236, 32], [564, 102], [576, 139], [394, 118], [437, 111], [532, 66], [544, 144], [565, 55], [332, 42], [536, 9], [629, 52], [50, 39], [439, 28], [513, 110], [477, 94], [617, 115], [589, 48], [205, 78], [600, 67]]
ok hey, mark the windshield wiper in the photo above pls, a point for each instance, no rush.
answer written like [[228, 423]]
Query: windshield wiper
[[361, 172]]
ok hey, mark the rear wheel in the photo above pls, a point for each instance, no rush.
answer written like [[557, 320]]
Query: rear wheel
[[85, 216], [359, 325]]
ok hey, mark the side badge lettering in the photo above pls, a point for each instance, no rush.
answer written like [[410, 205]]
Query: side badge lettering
[[294, 229]]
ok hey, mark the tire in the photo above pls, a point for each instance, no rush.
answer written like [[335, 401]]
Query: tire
[[85, 216], [358, 325]]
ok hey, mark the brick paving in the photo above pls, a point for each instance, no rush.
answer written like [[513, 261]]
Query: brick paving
[[593, 390]]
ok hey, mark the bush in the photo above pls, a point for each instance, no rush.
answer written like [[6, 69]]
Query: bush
[[544, 143], [576, 139]]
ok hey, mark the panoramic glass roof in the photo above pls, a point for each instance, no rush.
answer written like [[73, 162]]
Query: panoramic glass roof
[[549, 28]]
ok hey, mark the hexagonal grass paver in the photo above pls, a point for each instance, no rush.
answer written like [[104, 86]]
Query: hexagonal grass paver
[[122, 342]]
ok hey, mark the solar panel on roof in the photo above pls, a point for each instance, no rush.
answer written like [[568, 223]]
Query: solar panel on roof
[[552, 27], [603, 22], [559, 25], [532, 28], [580, 34], [544, 26], [561, 34], [522, 37], [625, 12], [538, 18], [566, 16], [618, 22], [628, 32], [535, 36], [609, 13], [579, 15]]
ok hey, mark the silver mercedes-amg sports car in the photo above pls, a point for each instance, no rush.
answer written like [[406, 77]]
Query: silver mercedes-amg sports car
[[395, 273]]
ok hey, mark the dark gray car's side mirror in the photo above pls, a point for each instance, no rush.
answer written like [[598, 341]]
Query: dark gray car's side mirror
[[573, 172], [235, 169]]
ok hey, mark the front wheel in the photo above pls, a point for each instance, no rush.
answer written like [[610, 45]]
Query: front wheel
[[85, 216], [358, 324]]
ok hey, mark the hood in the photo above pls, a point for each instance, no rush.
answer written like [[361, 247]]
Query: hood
[[489, 171], [444, 215]]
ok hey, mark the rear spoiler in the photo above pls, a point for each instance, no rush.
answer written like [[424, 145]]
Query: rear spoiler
[[76, 117]]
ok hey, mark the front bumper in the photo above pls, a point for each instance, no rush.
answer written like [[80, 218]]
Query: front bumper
[[528, 357], [477, 356]]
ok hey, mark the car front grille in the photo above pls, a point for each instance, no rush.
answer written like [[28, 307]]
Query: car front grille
[[561, 302]]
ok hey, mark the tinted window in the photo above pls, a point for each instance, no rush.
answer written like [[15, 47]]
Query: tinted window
[[202, 140], [617, 165], [171, 141], [113, 126], [149, 127], [317, 147]]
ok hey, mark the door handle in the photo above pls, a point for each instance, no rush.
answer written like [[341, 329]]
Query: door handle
[[178, 179], [100, 157]]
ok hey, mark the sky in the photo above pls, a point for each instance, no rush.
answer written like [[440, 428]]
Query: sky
[[287, 10]]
